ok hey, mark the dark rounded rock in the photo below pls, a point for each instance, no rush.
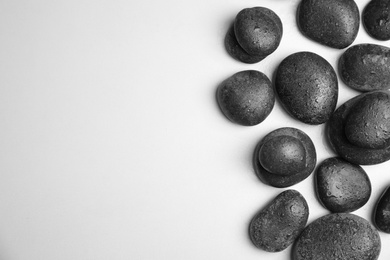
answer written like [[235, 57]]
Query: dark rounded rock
[[355, 139], [338, 236], [276, 226], [381, 212], [283, 155], [334, 23], [258, 30], [307, 87], [246, 98], [281, 177], [366, 67], [376, 19], [236, 51], [342, 186]]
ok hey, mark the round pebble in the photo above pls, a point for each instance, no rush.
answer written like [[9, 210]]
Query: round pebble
[[307, 87], [290, 163], [381, 212], [376, 19], [342, 186]]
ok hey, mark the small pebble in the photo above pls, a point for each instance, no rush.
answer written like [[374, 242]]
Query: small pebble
[[376, 19], [366, 67], [276, 226], [382, 212], [246, 98], [342, 186]]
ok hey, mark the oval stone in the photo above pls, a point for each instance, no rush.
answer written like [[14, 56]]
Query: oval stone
[[246, 98], [356, 152], [366, 67], [338, 236], [280, 176], [307, 87], [342, 186], [376, 19], [283, 155], [334, 23], [258, 30], [276, 226], [368, 123], [381, 212]]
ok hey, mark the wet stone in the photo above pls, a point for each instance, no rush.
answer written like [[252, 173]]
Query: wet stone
[[376, 19], [342, 186], [276, 226], [334, 23]]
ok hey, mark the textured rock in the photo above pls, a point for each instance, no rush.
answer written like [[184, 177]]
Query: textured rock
[[307, 87], [285, 174], [376, 19], [338, 236], [276, 227], [342, 186], [382, 212], [358, 130], [258, 30], [334, 23], [366, 67], [246, 98]]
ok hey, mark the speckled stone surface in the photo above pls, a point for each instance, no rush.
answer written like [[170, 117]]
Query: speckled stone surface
[[382, 210], [334, 23], [288, 178], [307, 87], [246, 98], [366, 67], [342, 186], [376, 19], [338, 236], [276, 226]]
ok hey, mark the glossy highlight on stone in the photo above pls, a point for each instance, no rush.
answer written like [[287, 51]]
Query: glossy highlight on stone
[[334, 23], [358, 130], [307, 87], [342, 186], [276, 226], [284, 157], [338, 236], [366, 67]]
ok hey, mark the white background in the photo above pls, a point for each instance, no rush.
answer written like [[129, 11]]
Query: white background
[[112, 145]]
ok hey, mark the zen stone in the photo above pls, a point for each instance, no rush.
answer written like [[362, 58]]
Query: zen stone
[[359, 129], [366, 67], [246, 98], [381, 212], [376, 19], [236, 51], [276, 226], [342, 186], [307, 87], [334, 23], [258, 30], [284, 157], [338, 236]]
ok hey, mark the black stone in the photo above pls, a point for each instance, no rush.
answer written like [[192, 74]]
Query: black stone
[[285, 179], [338, 236], [376, 19], [307, 87], [334, 23], [342, 186], [381, 212], [258, 30], [372, 128], [236, 51], [246, 98], [366, 67], [276, 226]]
